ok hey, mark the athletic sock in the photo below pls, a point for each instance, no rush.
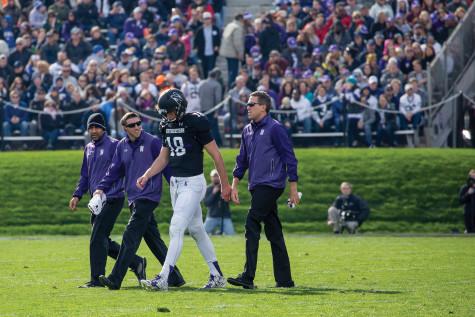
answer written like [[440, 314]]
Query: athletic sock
[[166, 271], [214, 268]]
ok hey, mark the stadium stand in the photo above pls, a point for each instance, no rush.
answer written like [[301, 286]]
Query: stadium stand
[[350, 73]]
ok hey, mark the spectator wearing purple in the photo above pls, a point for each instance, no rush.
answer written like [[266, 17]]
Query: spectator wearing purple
[[15, 118], [71, 23], [293, 53], [129, 42], [135, 24], [323, 114]]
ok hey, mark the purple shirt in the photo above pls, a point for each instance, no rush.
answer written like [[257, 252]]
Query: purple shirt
[[97, 158], [133, 26], [267, 152], [131, 160]]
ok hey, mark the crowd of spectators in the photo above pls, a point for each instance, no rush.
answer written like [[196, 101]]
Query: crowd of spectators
[[318, 60]]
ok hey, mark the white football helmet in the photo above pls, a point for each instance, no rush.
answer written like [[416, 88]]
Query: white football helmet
[[96, 203]]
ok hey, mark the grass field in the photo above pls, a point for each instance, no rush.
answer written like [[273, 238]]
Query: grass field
[[408, 190], [335, 276]]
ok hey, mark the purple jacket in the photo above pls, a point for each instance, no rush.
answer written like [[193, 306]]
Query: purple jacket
[[132, 159], [133, 26], [267, 152], [97, 158]]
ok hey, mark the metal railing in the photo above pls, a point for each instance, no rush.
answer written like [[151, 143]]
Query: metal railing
[[444, 72]]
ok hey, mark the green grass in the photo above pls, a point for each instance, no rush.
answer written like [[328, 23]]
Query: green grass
[[408, 190], [335, 276]]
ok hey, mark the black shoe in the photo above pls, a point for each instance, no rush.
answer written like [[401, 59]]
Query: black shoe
[[286, 284], [91, 284], [108, 283], [176, 279], [240, 281], [140, 270]]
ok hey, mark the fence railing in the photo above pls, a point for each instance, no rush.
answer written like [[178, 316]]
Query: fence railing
[[444, 72]]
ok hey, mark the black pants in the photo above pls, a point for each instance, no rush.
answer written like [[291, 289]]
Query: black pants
[[208, 63], [469, 218], [264, 209], [101, 244], [142, 223]]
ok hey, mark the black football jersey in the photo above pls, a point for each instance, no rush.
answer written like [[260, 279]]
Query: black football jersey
[[186, 139]]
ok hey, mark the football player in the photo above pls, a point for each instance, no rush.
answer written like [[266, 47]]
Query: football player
[[184, 137]]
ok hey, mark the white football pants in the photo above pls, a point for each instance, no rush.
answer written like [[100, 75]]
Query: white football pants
[[186, 195]]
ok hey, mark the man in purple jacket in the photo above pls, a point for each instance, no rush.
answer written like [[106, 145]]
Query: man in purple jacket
[[133, 155], [267, 152], [97, 158]]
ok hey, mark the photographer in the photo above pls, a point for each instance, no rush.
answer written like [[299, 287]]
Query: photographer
[[347, 211], [219, 214], [467, 198]]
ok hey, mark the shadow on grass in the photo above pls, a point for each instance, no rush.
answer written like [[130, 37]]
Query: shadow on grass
[[297, 291]]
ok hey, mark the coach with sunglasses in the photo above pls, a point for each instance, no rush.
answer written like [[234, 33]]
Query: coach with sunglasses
[[267, 152], [133, 155]]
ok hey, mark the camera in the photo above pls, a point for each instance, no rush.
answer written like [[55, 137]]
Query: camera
[[348, 215], [471, 181]]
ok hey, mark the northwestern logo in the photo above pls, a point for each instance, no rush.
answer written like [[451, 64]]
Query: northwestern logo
[[141, 148], [177, 98]]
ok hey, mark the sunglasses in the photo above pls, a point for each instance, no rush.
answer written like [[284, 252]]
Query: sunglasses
[[133, 125], [252, 104]]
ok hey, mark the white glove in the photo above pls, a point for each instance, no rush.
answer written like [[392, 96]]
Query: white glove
[[96, 203], [291, 205]]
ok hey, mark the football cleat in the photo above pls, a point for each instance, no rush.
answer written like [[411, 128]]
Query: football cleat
[[157, 284], [215, 281]]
